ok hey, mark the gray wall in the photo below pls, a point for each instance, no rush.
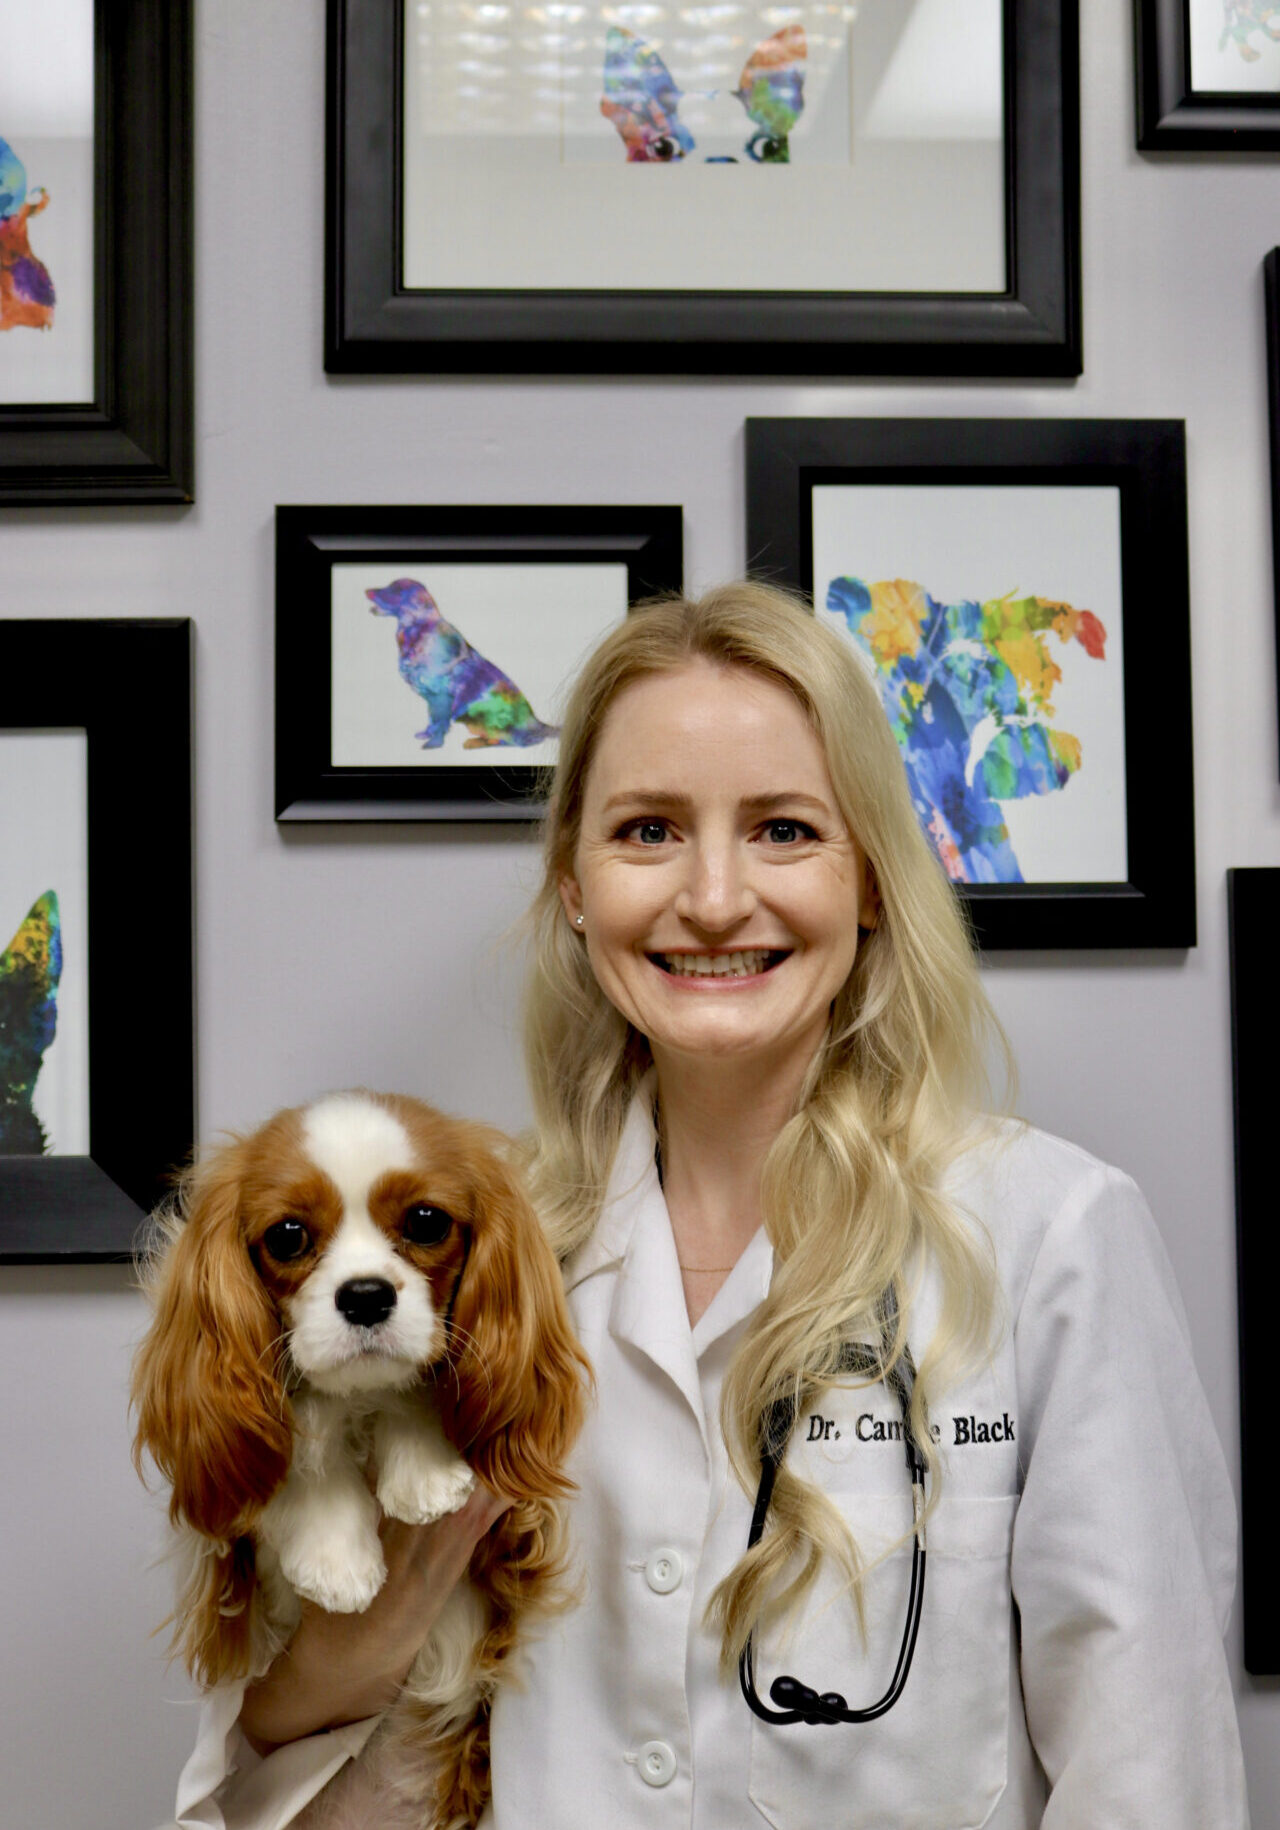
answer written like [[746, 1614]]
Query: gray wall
[[328, 958]]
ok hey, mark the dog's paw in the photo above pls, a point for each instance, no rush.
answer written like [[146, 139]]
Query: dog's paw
[[342, 1581], [419, 1496]]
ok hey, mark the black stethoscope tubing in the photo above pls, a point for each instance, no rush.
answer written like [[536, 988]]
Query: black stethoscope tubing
[[798, 1703]]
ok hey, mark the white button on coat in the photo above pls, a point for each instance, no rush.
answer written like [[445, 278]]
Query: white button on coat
[[657, 1763], [663, 1571]]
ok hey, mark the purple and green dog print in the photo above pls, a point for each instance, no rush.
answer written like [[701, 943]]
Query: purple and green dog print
[[30, 968], [458, 683]]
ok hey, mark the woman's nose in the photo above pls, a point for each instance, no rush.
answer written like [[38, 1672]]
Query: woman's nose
[[717, 892]]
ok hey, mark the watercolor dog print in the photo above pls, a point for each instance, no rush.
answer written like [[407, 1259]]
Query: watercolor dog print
[[27, 297], [967, 688], [642, 100], [1242, 19], [30, 967], [458, 683]]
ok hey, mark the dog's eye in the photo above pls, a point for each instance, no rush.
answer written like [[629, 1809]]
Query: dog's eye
[[286, 1239], [425, 1225]]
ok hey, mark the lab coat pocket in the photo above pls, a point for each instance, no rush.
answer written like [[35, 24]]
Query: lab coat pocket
[[938, 1759]]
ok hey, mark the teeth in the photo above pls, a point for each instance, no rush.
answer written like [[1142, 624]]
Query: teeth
[[716, 965]]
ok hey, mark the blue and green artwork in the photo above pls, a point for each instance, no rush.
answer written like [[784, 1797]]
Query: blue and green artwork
[[30, 968], [968, 688]]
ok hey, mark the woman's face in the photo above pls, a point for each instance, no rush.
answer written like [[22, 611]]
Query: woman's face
[[720, 887]]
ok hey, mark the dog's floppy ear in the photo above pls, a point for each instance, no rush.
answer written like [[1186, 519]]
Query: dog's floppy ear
[[211, 1410], [513, 1399]]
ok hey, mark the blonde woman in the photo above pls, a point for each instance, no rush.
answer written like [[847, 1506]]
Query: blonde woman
[[992, 1553]]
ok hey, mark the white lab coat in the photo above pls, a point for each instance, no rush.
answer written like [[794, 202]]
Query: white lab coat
[[1069, 1671]]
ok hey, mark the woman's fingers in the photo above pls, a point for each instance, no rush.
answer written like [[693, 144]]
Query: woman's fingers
[[485, 1508], [342, 1667], [440, 1552]]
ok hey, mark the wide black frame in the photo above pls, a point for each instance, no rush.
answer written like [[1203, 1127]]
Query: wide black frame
[[1174, 117], [1146, 460], [134, 441], [373, 324], [310, 541], [1271, 291], [1253, 917], [128, 685]]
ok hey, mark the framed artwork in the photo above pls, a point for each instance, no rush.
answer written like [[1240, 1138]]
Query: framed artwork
[[1018, 591], [1271, 284], [95, 252], [487, 210], [1208, 75], [423, 654], [96, 1022], [1253, 904]]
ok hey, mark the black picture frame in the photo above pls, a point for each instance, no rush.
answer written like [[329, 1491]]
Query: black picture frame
[[1253, 916], [310, 541], [134, 441], [1172, 116], [128, 685], [1146, 461], [1271, 291], [373, 324]]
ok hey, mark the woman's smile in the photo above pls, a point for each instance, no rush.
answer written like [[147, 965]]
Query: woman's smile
[[719, 886], [716, 969]]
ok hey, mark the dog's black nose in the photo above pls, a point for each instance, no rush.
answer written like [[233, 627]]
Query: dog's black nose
[[366, 1301]]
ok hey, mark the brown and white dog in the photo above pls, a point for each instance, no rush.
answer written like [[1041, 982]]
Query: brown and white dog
[[356, 1301]]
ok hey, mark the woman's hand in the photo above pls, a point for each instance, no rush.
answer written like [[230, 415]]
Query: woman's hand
[[342, 1667]]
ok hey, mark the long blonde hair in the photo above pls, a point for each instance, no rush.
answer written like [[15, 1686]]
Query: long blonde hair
[[854, 1178]]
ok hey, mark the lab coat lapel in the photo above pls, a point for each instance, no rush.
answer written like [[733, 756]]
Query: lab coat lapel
[[648, 1303], [632, 1240], [630, 1179]]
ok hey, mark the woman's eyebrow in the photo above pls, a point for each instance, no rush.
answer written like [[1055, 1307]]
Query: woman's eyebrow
[[678, 801], [784, 797], [647, 797]]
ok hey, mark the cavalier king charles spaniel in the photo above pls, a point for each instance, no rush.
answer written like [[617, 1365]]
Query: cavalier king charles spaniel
[[355, 1311]]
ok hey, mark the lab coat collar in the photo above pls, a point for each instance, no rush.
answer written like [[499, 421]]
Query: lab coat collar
[[633, 1238], [648, 1310], [632, 1180]]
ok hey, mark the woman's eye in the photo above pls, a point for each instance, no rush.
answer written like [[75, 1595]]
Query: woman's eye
[[286, 1240], [788, 832], [644, 832], [426, 1225]]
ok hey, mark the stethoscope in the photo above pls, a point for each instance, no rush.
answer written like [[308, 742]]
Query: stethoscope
[[795, 1701]]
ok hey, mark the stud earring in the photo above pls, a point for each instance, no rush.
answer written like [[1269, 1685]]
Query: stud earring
[[579, 921]]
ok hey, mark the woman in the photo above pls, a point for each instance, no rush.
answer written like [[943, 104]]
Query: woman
[[756, 1048]]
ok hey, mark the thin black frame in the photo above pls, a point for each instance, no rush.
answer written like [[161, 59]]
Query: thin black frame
[[1146, 460], [310, 541], [1271, 290], [1174, 117], [1253, 919], [128, 685], [134, 441], [373, 324]]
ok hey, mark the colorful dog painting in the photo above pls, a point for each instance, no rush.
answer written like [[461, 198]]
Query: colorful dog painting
[[458, 683], [30, 967], [26, 291], [1242, 18], [968, 687], [643, 102]]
